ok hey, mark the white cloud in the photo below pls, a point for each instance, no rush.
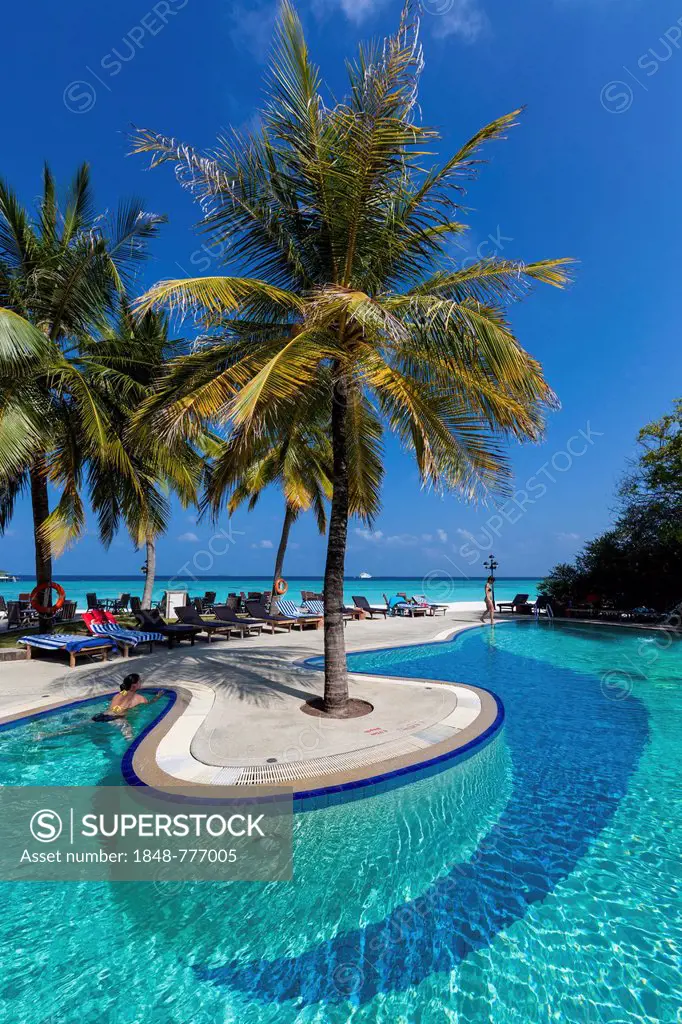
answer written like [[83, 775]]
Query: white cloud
[[466, 534], [442, 536], [373, 537], [403, 540], [355, 10], [397, 540], [463, 18], [567, 537], [264, 544], [188, 538], [252, 26]]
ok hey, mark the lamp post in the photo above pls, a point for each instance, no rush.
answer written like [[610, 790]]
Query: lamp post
[[491, 565]]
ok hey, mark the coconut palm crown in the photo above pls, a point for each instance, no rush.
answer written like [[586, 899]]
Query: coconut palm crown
[[134, 350], [62, 269], [340, 229]]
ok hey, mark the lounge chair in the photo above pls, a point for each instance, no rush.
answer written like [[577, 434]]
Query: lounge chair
[[257, 611], [399, 606], [104, 624], [67, 612], [424, 607], [649, 615], [520, 601], [191, 617], [369, 609], [19, 614], [154, 623], [247, 627], [305, 617], [74, 645], [315, 607], [92, 602], [422, 599], [120, 604]]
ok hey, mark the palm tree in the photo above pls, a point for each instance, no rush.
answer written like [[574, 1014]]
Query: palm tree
[[295, 454], [135, 351], [60, 273], [342, 240]]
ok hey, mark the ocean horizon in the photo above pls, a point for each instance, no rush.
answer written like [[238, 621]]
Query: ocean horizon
[[437, 587]]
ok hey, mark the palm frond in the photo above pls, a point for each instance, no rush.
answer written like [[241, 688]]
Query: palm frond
[[21, 344]]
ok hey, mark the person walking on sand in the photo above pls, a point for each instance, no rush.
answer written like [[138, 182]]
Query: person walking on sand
[[489, 606]]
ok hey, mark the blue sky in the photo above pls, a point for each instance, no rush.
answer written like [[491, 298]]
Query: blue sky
[[593, 172]]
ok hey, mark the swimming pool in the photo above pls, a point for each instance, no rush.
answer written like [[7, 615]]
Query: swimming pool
[[67, 748], [537, 881]]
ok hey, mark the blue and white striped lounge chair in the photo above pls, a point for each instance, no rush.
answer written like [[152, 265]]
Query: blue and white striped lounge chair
[[126, 638], [313, 606], [301, 615], [74, 645]]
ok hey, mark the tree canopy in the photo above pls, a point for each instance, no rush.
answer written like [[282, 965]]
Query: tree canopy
[[638, 562]]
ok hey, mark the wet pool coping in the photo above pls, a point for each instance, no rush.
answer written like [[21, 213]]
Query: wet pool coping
[[164, 765]]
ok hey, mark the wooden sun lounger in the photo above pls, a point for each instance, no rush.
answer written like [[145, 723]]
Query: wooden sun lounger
[[75, 646]]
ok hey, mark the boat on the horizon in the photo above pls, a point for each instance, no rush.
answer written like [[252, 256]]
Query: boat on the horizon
[[365, 576], [7, 577]]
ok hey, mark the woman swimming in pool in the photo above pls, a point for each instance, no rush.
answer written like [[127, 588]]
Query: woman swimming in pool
[[489, 606], [126, 700]]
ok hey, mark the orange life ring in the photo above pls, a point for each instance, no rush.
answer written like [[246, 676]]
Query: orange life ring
[[281, 587], [47, 609]]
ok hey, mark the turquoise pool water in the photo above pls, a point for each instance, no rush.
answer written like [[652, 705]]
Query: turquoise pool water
[[537, 881], [68, 748]]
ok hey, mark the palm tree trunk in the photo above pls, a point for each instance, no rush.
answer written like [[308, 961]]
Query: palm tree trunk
[[150, 573], [289, 517], [335, 672], [43, 551]]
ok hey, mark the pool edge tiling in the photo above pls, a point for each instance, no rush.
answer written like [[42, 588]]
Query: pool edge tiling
[[162, 756], [152, 761]]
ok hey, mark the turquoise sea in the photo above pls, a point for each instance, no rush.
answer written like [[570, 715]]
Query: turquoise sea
[[437, 587]]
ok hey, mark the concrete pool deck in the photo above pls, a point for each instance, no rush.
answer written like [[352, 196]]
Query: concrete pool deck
[[237, 719]]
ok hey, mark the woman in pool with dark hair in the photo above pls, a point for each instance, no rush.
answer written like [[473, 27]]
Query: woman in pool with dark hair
[[126, 700]]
